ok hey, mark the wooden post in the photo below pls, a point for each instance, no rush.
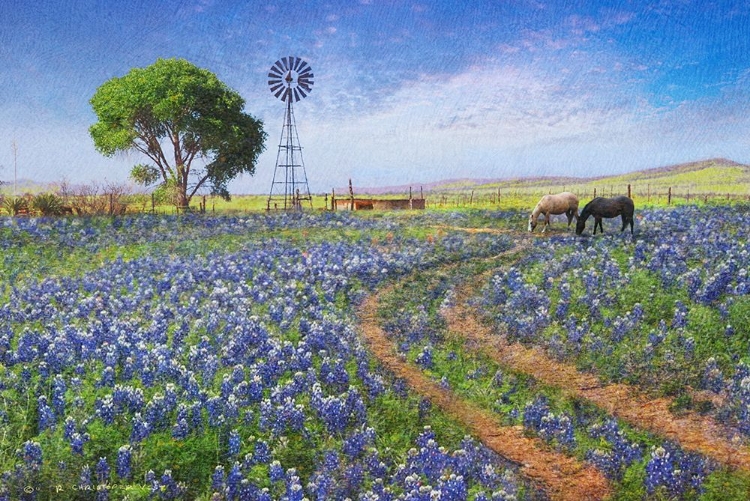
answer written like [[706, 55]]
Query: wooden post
[[594, 192], [351, 195], [648, 192], [325, 199], [333, 199], [471, 200], [669, 196], [629, 192]]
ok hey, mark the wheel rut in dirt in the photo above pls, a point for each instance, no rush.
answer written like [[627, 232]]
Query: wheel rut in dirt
[[562, 477], [691, 430]]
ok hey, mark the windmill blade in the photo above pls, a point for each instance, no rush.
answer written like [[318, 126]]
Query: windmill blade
[[290, 78]]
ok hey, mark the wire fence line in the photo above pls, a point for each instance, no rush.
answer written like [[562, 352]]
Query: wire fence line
[[645, 194]]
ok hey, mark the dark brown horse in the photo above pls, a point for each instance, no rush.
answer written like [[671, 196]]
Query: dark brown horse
[[606, 207]]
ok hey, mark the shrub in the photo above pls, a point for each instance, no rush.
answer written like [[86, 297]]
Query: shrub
[[15, 205], [48, 204]]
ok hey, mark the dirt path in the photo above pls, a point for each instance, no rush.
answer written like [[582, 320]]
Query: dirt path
[[562, 477], [691, 430]]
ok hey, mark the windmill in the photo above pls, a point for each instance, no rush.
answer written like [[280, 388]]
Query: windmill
[[290, 79]]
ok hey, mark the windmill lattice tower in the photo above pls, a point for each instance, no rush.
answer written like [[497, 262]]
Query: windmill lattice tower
[[290, 79]]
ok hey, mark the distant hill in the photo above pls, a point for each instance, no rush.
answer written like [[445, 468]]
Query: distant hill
[[23, 186], [713, 176]]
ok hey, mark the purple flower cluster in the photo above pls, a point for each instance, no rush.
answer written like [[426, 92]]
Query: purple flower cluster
[[525, 307], [551, 427], [618, 454], [675, 471]]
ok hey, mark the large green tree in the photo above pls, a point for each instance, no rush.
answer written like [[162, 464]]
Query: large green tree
[[189, 124]]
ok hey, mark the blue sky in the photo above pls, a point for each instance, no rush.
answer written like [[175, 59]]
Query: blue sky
[[405, 92]]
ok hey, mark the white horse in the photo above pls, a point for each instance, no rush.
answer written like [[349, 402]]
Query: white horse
[[562, 203]]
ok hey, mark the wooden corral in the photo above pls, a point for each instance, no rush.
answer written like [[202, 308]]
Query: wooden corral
[[375, 204], [353, 203]]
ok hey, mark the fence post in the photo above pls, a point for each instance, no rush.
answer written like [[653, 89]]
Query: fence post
[[594, 192], [351, 194], [669, 196], [629, 192]]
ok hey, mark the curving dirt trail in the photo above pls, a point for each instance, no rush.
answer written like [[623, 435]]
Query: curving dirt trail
[[562, 477], [691, 430]]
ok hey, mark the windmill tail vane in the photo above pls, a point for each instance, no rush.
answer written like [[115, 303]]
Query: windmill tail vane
[[290, 79]]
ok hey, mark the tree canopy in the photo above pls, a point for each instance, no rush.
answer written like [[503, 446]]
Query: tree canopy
[[189, 124]]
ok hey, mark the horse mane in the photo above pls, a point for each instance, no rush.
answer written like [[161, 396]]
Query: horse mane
[[586, 211], [537, 210]]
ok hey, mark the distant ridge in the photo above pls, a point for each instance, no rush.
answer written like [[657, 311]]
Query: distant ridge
[[711, 175]]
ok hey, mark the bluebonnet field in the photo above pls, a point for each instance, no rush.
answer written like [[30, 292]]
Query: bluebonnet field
[[217, 358], [668, 310]]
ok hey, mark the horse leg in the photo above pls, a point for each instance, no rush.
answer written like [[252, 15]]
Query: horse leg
[[569, 213], [624, 222], [598, 222], [546, 222]]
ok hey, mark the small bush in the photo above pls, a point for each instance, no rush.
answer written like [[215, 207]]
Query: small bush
[[48, 204], [15, 205]]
